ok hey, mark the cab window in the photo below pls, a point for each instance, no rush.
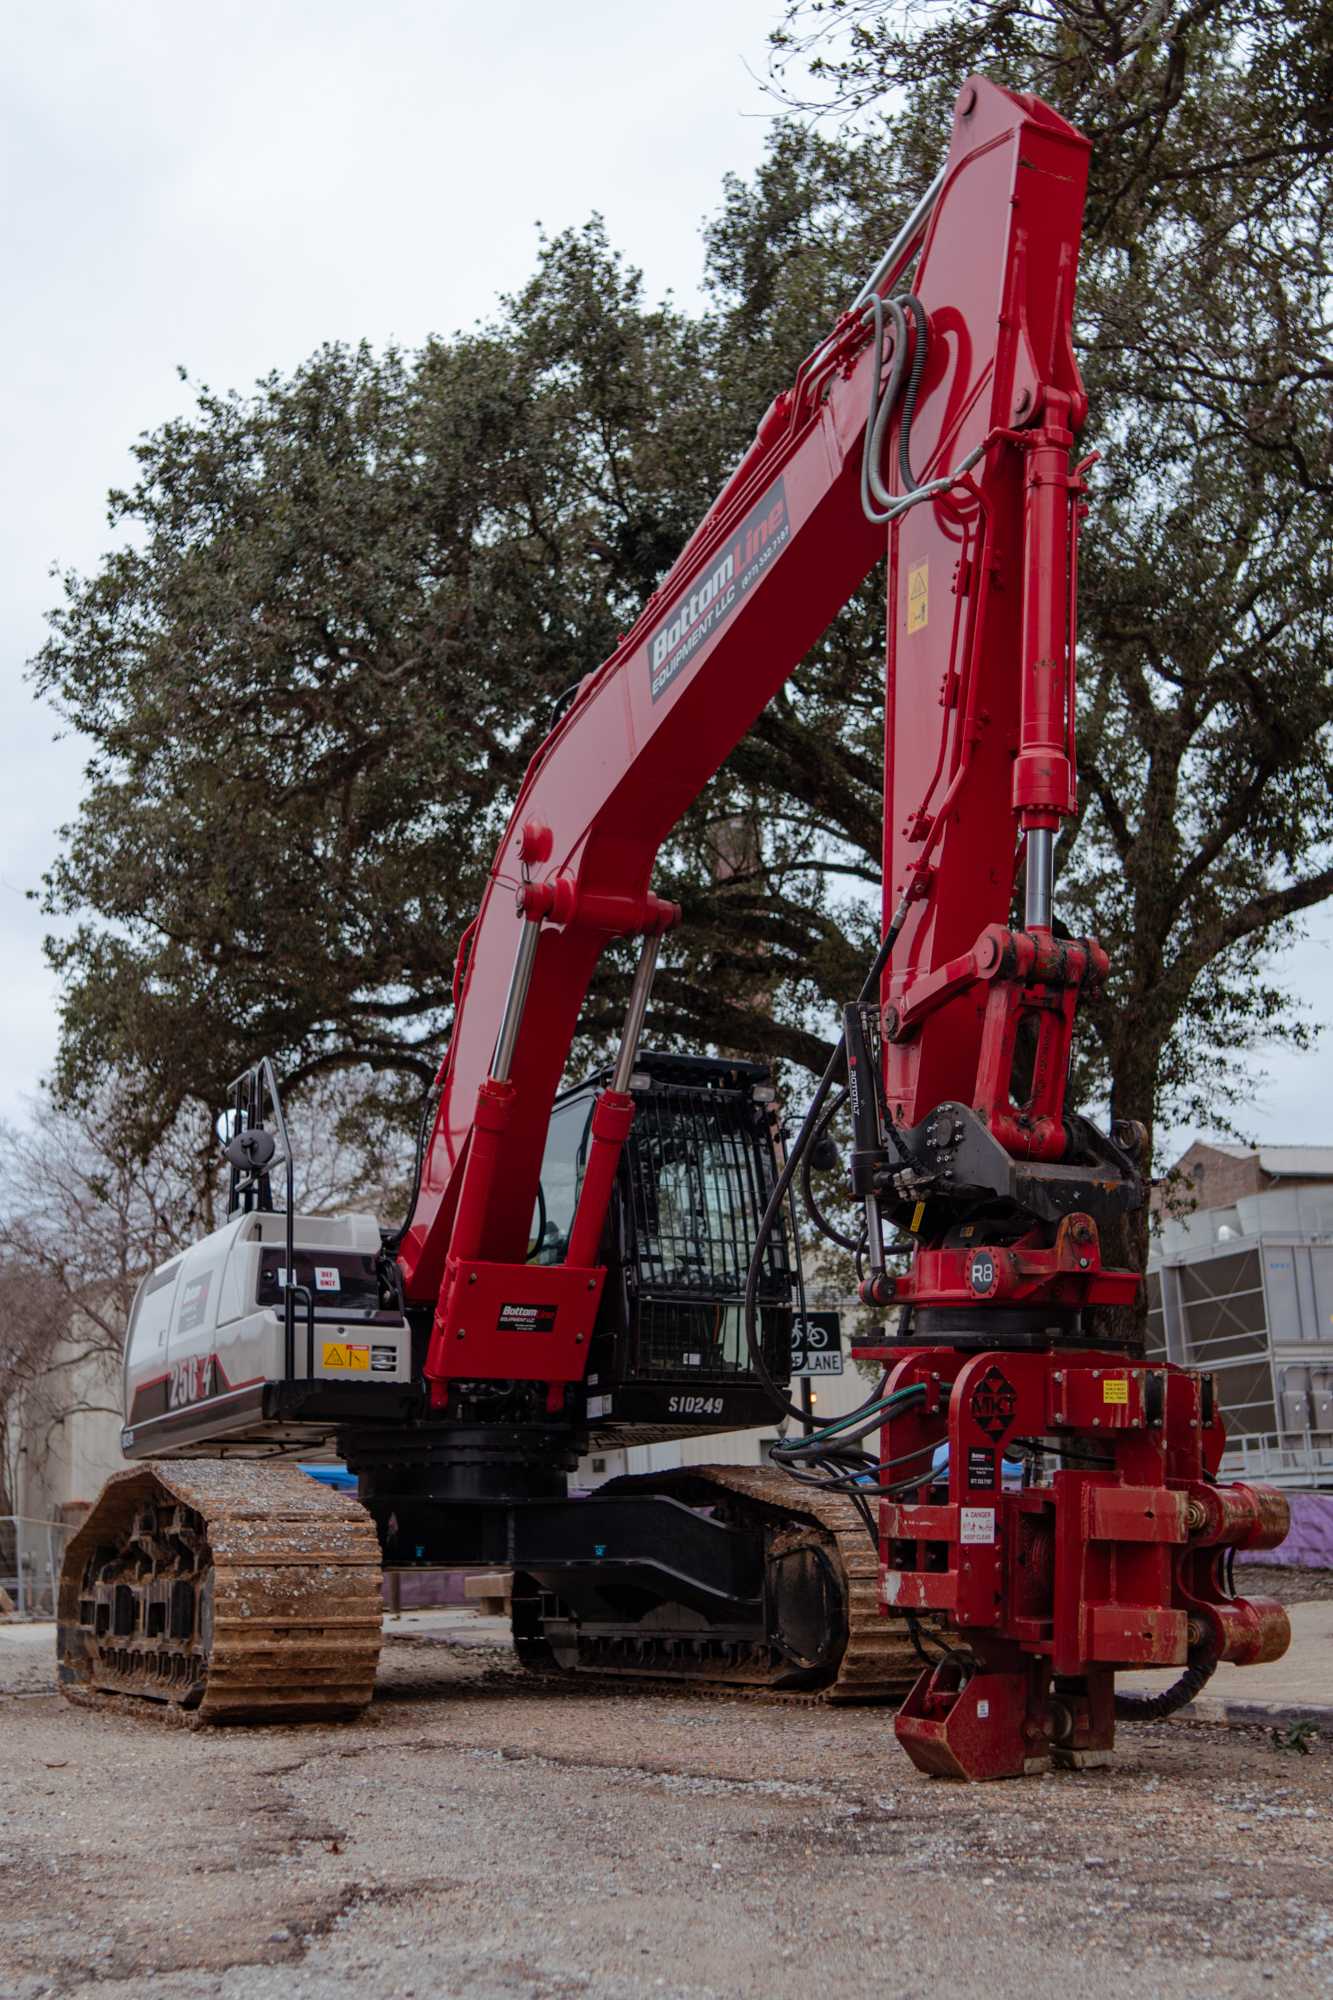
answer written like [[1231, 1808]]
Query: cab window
[[344, 1280], [562, 1175]]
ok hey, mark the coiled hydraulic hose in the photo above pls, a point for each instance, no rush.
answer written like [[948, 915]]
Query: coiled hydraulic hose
[[879, 503]]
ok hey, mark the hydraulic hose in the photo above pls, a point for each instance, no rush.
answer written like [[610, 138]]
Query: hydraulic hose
[[877, 502], [813, 1209], [778, 1196], [840, 1436], [884, 399], [1156, 1707], [914, 306], [392, 1241]]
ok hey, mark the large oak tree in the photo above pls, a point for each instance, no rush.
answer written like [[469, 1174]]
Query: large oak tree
[[313, 676]]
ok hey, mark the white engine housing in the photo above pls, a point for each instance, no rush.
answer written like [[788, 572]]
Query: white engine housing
[[207, 1332]]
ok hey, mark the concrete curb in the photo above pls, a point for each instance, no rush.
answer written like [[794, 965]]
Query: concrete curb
[[1263, 1714]]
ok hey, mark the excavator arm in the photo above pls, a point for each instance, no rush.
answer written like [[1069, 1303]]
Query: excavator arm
[[975, 412]]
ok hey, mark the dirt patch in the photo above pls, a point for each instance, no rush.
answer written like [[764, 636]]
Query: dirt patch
[[481, 1833]]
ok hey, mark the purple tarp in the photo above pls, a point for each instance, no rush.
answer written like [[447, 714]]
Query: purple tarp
[[1310, 1543]]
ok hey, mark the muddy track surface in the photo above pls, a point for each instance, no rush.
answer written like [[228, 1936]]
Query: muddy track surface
[[478, 1833]]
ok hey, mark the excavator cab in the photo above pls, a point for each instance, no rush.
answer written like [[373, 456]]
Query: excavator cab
[[669, 1352]]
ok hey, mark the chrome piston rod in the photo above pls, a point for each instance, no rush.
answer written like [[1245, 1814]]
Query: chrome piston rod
[[1039, 878], [516, 999], [903, 241], [635, 1011]]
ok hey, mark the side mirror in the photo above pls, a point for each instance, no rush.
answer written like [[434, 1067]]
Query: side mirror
[[226, 1125], [252, 1150]]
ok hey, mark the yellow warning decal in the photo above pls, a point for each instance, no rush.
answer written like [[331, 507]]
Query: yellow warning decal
[[918, 1216], [1115, 1391], [338, 1354], [918, 596]]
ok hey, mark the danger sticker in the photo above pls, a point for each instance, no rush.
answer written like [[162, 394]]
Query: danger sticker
[[1115, 1391], [918, 597], [339, 1354], [976, 1525]]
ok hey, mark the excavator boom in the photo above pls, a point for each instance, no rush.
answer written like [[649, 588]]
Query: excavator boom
[[783, 548]]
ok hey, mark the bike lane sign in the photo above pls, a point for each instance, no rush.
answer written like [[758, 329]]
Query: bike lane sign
[[816, 1344]]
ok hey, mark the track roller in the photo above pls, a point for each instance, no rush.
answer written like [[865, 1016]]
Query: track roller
[[820, 1631], [222, 1591]]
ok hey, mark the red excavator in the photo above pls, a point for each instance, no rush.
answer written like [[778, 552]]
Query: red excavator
[[1043, 1508]]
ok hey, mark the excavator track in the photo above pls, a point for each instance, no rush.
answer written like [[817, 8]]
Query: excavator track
[[878, 1660], [222, 1591]]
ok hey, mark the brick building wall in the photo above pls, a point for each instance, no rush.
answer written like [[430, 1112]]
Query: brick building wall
[[1211, 1177]]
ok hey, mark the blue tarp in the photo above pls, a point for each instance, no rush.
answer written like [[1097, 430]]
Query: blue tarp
[[333, 1475]]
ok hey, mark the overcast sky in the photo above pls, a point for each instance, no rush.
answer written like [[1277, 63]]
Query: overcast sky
[[225, 186]]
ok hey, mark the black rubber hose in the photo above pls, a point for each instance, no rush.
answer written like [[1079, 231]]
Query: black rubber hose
[[392, 1241], [918, 312], [815, 1212], [1156, 1707], [777, 1198], [878, 504], [561, 703]]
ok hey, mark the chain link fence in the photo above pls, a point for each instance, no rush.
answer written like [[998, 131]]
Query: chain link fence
[[30, 1558]]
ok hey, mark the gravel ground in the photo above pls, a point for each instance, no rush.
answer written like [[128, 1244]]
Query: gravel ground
[[483, 1834]]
